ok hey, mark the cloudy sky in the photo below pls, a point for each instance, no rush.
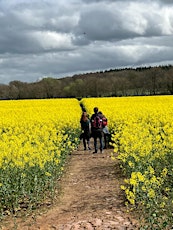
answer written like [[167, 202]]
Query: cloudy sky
[[58, 38]]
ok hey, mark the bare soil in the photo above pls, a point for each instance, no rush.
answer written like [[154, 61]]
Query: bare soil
[[89, 198]]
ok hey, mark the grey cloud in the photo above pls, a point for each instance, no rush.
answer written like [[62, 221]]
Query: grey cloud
[[14, 37], [145, 51], [19, 24], [49, 16], [99, 24], [108, 1], [166, 1], [60, 38], [97, 1], [17, 43], [121, 21], [81, 39]]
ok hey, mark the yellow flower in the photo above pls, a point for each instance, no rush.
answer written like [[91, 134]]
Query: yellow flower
[[162, 205], [123, 187], [144, 188], [164, 172], [167, 189], [133, 182], [131, 164], [48, 174], [151, 193], [141, 177], [151, 170]]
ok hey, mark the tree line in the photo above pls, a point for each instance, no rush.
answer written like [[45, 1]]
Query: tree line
[[114, 82]]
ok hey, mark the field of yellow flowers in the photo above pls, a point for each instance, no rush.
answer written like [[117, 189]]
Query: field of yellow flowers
[[35, 138], [37, 135], [142, 135]]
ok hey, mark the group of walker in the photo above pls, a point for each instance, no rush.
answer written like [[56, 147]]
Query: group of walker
[[95, 127]]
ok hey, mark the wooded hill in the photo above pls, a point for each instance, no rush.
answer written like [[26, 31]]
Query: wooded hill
[[114, 82]]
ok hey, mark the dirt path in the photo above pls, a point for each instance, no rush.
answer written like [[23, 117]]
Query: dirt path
[[90, 197]]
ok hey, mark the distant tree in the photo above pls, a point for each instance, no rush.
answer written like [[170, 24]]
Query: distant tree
[[93, 86], [67, 91], [80, 90], [170, 87], [21, 88], [4, 91], [13, 91]]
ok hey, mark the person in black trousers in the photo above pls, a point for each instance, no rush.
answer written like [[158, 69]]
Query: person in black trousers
[[85, 126]]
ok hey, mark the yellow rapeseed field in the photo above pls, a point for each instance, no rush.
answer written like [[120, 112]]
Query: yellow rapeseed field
[[35, 137]]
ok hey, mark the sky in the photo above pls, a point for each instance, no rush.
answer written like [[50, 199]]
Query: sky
[[60, 38]]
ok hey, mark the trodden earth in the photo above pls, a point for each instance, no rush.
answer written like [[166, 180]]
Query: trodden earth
[[89, 197]]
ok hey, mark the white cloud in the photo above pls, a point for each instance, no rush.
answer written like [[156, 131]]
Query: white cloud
[[53, 40]]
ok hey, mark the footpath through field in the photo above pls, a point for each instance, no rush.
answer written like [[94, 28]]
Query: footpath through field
[[90, 197]]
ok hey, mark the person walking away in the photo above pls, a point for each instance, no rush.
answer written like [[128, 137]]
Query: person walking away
[[97, 130], [85, 126], [106, 133]]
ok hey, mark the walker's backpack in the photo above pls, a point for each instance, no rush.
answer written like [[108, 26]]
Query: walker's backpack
[[97, 122], [104, 121]]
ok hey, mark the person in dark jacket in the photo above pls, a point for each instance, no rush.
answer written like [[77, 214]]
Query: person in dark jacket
[[85, 127], [97, 132]]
